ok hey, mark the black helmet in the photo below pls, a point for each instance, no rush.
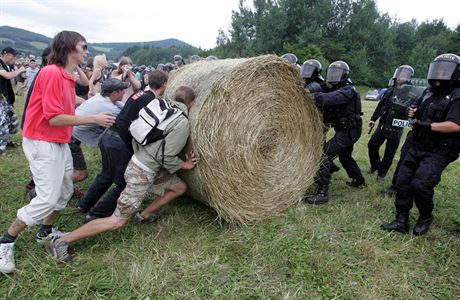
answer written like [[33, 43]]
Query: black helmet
[[194, 58], [290, 57], [337, 72], [403, 74], [311, 69], [445, 67]]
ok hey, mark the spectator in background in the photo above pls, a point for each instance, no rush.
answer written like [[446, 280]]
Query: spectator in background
[[125, 74], [9, 124], [31, 72], [98, 76]]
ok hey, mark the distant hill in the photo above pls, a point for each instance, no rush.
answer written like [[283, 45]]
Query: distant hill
[[27, 42]]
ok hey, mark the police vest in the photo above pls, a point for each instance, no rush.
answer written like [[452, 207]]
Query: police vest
[[434, 108], [345, 116]]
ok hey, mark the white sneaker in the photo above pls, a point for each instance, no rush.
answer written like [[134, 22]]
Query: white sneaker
[[45, 240], [7, 258]]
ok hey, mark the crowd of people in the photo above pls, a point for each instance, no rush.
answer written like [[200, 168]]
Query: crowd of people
[[120, 109]]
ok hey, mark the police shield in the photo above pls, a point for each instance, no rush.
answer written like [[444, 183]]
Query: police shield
[[401, 99]]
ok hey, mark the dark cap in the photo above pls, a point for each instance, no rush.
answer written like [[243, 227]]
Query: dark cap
[[9, 50], [113, 84]]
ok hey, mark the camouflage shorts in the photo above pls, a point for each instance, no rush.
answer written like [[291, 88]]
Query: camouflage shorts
[[9, 124], [138, 183], [163, 182]]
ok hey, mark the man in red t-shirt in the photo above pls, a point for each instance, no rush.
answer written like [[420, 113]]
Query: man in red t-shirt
[[50, 116]]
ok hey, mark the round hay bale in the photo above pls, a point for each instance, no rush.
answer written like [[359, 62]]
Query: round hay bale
[[256, 132]]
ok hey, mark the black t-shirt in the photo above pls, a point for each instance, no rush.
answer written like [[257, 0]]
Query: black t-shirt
[[129, 113]]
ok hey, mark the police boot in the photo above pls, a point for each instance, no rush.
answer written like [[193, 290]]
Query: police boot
[[423, 225], [357, 182], [320, 196], [400, 224], [389, 192], [334, 168]]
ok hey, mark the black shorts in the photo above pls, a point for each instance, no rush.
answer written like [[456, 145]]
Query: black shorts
[[79, 162]]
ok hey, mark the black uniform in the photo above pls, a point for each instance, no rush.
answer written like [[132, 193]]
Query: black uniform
[[429, 153], [342, 109], [380, 135]]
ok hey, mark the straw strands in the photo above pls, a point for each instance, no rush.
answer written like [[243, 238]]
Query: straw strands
[[256, 132]]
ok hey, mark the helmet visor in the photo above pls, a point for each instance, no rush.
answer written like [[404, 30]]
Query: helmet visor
[[307, 71], [334, 74], [402, 74], [441, 70]]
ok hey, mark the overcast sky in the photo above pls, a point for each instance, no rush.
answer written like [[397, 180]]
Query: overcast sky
[[194, 21]]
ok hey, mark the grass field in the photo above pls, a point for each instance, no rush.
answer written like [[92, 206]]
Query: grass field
[[39, 45], [334, 251]]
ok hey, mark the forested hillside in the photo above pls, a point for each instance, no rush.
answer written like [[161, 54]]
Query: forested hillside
[[352, 30], [27, 42]]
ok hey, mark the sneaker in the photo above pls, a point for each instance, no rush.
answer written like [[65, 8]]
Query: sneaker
[[59, 250], [371, 171], [11, 144], [46, 239], [89, 218], [141, 220], [7, 258]]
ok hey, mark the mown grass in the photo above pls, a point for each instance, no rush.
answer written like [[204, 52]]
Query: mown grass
[[309, 252]]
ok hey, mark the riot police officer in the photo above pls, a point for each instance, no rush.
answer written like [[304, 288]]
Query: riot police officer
[[311, 74], [314, 83], [292, 58], [342, 108], [391, 115], [435, 144]]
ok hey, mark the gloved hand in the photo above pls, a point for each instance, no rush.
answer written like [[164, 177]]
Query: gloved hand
[[414, 123], [314, 87]]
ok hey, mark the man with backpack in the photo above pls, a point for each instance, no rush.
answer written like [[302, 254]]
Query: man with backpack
[[143, 169]]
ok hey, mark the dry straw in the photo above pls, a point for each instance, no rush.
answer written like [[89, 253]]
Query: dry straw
[[256, 132]]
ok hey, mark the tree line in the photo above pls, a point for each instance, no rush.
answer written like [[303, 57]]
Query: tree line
[[372, 43]]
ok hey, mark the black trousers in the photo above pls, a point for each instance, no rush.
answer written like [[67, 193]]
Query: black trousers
[[405, 147], [420, 171], [115, 157], [341, 145], [378, 138]]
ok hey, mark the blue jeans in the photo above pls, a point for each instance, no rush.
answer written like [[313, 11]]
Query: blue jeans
[[115, 157]]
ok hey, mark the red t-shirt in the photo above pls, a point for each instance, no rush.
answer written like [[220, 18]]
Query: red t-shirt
[[53, 94]]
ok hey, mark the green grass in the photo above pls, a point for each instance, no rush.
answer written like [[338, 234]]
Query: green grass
[[309, 252], [39, 45]]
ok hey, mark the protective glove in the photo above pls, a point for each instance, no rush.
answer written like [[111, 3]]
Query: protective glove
[[414, 123]]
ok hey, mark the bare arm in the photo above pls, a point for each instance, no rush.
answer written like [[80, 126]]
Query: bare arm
[[93, 87], [136, 84], [445, 127], [104, 119], [12, 74], [82, 78]]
